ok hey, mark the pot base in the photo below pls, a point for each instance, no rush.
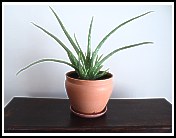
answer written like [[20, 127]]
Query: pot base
[[88, 115]]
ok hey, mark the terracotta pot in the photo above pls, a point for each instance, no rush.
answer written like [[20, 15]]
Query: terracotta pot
[[88, 96]]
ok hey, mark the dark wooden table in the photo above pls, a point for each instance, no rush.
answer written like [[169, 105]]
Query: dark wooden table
[[53, 115]]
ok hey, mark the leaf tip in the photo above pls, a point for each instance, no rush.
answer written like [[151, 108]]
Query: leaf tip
[[150, 12], [32, 23], [50, 7], [17, 73]]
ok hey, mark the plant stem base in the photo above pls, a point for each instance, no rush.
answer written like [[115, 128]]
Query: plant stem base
[[94, 115]]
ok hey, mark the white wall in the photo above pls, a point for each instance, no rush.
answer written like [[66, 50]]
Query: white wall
[[139, 72]]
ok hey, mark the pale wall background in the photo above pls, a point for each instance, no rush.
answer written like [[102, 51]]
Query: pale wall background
[[140, 72]]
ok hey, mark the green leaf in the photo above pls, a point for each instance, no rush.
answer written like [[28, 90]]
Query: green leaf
[[66, 33], [94, 71], [96, 60], [89, 42], [101, 74], [80, 50], [107, 36], [97, 69], [122, 48], [69, 53], [100, 58], [44, 60], [87, 65]]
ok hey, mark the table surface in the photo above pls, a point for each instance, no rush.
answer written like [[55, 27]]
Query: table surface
[[53, 115]]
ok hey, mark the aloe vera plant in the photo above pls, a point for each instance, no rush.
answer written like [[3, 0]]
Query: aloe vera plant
[[88, 66]]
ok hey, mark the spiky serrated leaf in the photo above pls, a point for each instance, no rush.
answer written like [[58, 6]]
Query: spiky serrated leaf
[[110, 33], [44, 60], [122, 48], [83, 59], [87, 66], [102, 73], [65, 31], [72, 58], [89, 43], [100, 58]]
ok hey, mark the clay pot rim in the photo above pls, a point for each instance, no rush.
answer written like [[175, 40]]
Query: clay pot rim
[[81, 80]]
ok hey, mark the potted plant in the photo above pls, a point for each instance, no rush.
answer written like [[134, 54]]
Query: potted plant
[[87, 86]]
